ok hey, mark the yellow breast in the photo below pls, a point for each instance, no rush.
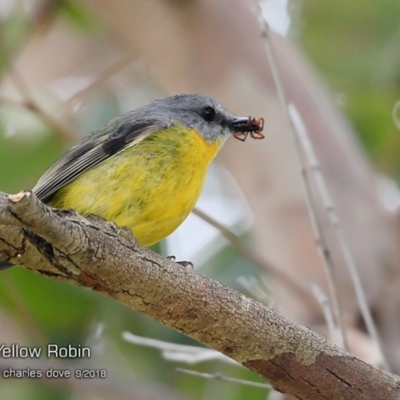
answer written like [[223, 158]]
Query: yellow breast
[[150, 187]]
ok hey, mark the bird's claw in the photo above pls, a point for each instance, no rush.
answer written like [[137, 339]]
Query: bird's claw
[[185, 264]]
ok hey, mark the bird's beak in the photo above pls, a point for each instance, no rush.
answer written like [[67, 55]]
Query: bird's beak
[[239, 124]]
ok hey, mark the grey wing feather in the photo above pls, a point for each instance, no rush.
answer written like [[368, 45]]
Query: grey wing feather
[[92, 151]]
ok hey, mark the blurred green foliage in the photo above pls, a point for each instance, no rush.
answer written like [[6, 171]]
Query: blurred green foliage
[[356, 45]]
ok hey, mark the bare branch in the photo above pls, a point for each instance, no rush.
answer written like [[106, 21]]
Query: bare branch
[[253, 254], [312, 212], [96, 254], [334, 219]]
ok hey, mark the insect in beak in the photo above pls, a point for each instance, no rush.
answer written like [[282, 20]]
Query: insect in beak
[[245, 126]]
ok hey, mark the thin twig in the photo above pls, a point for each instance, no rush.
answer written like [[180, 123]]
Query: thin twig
[[104, 75], [34, 108], [178, 352], [30, 104], [317, 229], [253, 255], [220, 377], [334, 219], [326, 308]]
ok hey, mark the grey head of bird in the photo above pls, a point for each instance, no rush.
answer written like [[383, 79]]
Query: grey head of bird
[[202, 113]]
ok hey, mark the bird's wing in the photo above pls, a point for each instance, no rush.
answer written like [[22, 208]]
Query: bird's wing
[[93, 150]]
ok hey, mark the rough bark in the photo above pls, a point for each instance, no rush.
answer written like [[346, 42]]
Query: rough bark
[[62, 245]]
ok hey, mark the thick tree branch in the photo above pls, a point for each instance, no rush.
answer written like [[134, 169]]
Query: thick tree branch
[[96, 254]]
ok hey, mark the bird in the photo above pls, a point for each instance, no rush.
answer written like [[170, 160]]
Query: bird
[[146, 168]]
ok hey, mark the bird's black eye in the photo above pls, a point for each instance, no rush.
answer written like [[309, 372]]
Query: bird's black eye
[[208, 114]]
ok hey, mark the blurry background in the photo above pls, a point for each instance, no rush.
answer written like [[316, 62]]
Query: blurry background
[[68, 66]]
